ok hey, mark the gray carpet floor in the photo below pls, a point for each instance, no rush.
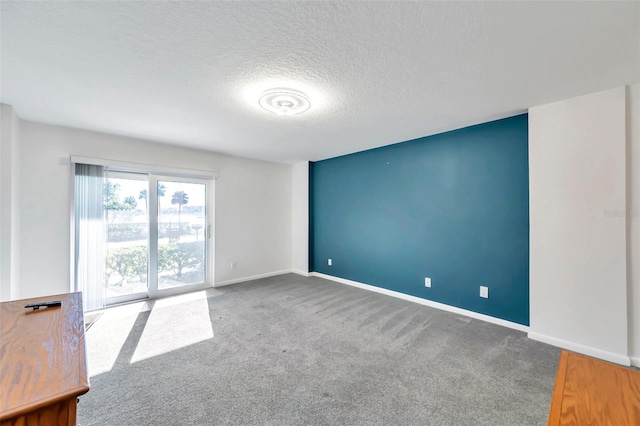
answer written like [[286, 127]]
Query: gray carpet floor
[[290, 350]]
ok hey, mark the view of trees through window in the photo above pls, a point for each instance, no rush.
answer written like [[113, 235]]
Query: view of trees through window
[[181, 233]]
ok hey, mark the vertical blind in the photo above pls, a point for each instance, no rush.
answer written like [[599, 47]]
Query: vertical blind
[[89, 235]]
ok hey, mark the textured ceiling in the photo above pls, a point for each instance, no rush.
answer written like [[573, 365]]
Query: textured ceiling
[[377, 73]]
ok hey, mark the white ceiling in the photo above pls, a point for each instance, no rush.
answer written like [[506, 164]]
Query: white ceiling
[[377, 73]]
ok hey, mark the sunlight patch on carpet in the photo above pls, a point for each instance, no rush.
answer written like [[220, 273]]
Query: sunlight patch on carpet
[[173, 326]]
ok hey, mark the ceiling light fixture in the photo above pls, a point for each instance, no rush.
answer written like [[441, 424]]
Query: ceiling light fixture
[[284, 102]]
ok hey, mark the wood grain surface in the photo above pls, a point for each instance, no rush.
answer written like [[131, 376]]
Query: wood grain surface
[[61, 413], [42, 356], [593, 392]]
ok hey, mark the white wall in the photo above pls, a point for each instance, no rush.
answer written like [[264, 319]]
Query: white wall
[[252, 218], [300, 217], [9, 203], [633, 219], [578, 280]]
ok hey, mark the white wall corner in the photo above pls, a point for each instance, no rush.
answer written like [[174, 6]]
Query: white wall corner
[[9, 203], [300, 217], [633, 219]]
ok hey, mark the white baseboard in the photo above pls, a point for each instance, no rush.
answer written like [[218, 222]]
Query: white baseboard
[[635, 361], [304, 274], [425, 302], [251, 278], [577, 347]]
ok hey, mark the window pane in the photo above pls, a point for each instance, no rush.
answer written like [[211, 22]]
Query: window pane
[[181, 234], [127, 223]]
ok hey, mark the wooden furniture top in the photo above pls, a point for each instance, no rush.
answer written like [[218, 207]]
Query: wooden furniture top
[[593, 392], [42, 354]]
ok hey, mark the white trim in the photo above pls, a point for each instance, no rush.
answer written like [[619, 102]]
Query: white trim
[[577, 347], [304, 274], [174, 291], [425, 302], [251, 278], [145, 168], [125, 298], [635, 361], [153, 211], [72, 228], [209, 232]]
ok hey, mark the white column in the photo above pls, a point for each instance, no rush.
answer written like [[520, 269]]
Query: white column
[[300, 217], [578, 266]]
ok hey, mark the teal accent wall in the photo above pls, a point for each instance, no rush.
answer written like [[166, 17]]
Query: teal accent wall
[[453, 207]]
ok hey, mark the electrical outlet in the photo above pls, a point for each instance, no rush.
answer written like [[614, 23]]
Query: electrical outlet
[[427, 282], [233, 265], [484, 292], [329, 262]]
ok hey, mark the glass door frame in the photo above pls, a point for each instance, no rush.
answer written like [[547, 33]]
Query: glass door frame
[[153, 289], [141, 295]]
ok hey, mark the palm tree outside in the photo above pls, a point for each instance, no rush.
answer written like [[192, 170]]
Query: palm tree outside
[[144, 195], [161, 192], [180, 198]]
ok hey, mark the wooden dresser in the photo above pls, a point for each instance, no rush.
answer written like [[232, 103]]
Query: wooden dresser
[[593, 392], [42, 361]]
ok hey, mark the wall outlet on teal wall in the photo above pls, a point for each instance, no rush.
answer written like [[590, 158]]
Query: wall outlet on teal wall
[[427, 282]]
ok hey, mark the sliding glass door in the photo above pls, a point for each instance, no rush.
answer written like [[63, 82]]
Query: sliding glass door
[[180, 234], [139, 235], [126, 219]]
